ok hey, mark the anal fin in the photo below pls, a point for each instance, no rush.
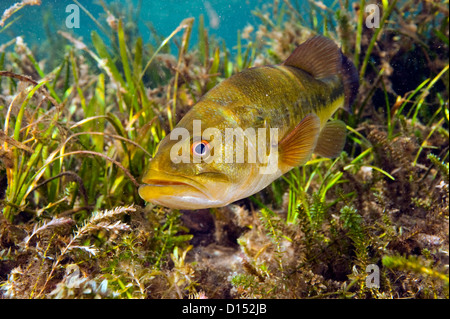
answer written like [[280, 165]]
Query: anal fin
[[296, 147], [331, 139]]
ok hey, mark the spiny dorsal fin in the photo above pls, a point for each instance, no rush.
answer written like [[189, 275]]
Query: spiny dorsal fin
[[331, 139], [319, 56], [296, 147]]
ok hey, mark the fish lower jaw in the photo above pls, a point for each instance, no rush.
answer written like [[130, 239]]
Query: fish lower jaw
[[187, 202], [177, 195]]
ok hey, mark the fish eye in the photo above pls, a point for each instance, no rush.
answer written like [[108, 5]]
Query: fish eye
[[200, 148]]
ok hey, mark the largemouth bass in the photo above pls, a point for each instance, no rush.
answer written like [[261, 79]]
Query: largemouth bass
[[252, 128]]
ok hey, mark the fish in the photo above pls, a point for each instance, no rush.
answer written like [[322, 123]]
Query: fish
[[252, 128]]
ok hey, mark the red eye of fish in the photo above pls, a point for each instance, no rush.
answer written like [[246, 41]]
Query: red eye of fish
[[200, 148]]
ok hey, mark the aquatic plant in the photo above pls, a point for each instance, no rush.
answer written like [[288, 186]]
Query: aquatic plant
[[77, 133]]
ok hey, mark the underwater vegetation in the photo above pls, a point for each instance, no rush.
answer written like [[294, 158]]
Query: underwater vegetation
[[81, 118]]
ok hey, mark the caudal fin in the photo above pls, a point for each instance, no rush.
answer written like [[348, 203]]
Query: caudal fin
[[351, 81], [321, 57]]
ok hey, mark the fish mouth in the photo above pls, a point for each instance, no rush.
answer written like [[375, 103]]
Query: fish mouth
[[174, 191], [161, 183], [155, 178]]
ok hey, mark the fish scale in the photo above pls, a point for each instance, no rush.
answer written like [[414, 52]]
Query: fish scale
[[267, 98]]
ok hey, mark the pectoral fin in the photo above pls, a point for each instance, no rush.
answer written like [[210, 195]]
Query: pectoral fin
[[296, 147], [331, 140]]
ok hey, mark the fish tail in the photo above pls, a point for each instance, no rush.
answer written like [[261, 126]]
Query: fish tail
[[351, 81]]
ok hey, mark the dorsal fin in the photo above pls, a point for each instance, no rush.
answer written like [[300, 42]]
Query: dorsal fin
[[322, 58], [319, 56]]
